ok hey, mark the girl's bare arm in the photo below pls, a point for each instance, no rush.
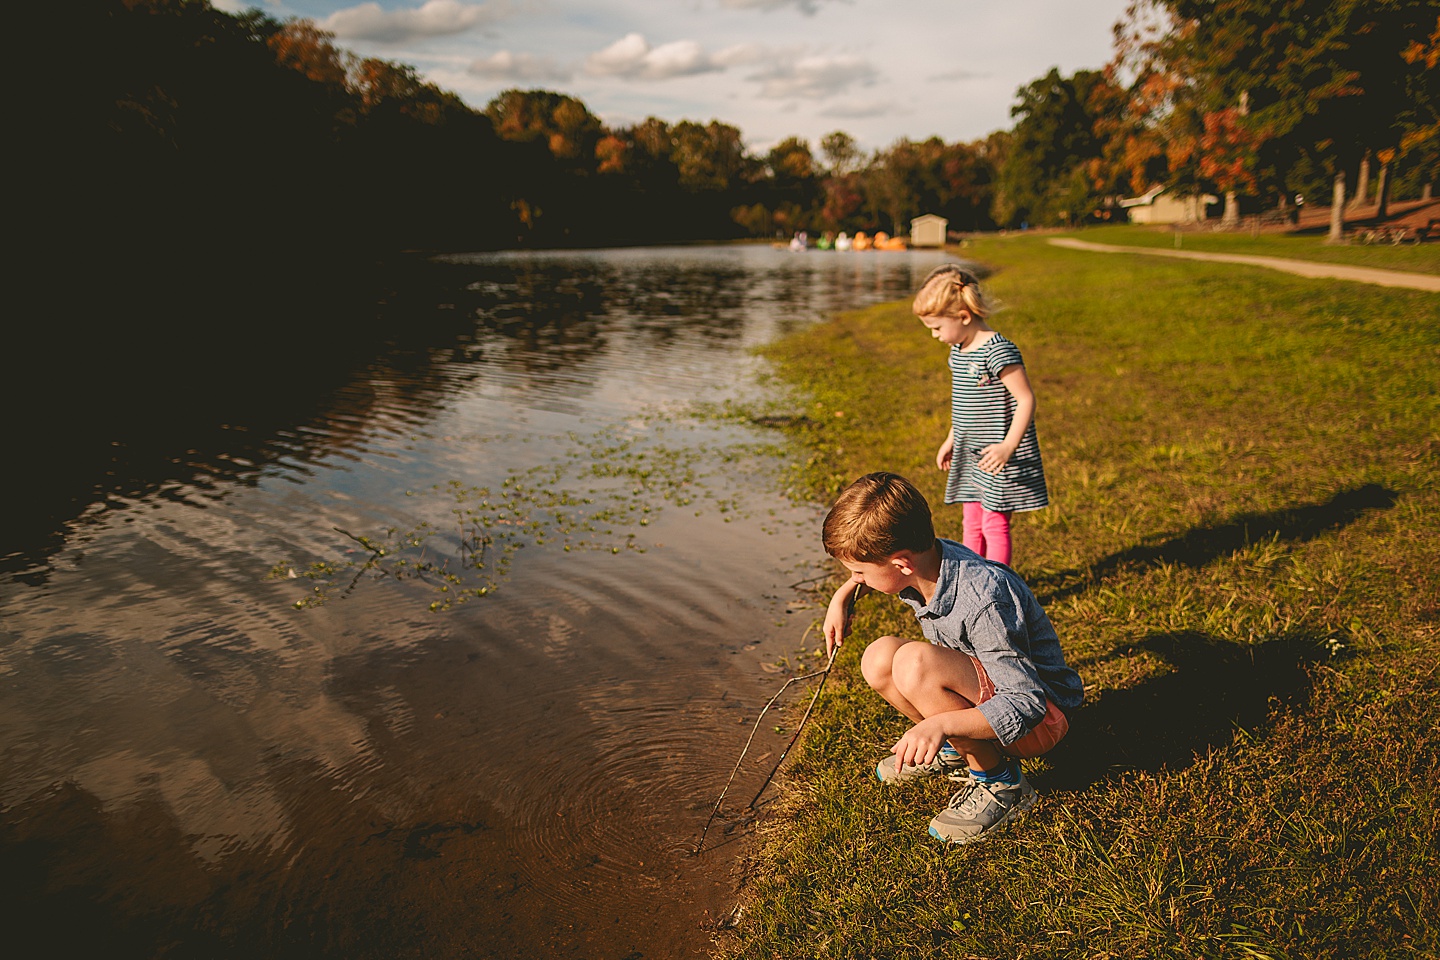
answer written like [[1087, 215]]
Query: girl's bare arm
[[994, 457], [946, 451]]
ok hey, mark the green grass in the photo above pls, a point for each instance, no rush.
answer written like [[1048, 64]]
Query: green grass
[[1240, 560], [1411, 258]]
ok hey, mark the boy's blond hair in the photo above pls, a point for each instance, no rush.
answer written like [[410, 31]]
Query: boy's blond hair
[[876, 517], [949, 289]]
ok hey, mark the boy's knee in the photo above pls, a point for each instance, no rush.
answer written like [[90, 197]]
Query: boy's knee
[[911, 666], [875, 662]]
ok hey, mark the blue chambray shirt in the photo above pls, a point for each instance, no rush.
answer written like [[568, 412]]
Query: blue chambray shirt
[[985, 610]]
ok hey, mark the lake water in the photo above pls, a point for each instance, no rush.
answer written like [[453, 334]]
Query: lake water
[[444, 652]]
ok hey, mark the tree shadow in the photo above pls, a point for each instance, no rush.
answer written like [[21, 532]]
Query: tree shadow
[[1214, 687], [1201, 545]]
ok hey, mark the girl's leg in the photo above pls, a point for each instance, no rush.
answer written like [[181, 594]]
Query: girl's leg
[[971, 529], [937, 680], [995, 529]]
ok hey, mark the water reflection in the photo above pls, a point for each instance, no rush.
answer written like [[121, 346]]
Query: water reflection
[[193, 767]]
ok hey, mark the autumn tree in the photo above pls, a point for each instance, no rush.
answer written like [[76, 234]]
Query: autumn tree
[[1420, 124], [909, 178], [790, 161], [710, 157], [967, 176], [1267, 95], [842, 155], [376, 81], [784, 191], [302, 46], [641, 182], [843, 198], [562, 123], [1045, 177]]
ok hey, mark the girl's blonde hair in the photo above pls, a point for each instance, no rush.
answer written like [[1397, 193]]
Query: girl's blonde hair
[[949, 289]]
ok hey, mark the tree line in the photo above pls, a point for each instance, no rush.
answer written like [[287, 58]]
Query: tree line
[[1259, 100], [177, 127]]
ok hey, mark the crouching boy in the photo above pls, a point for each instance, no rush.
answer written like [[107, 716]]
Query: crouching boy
[[990, 687]]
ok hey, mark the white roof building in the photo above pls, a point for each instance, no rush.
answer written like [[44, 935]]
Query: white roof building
[[928, 230], [1157, 206]]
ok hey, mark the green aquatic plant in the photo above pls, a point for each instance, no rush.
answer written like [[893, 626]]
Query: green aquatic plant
[[598, 495]]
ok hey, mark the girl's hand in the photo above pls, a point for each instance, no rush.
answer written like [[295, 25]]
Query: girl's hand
[[994, 457], [946, 453], [919, 745]]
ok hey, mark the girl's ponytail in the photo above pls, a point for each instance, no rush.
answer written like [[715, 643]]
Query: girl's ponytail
[[947, 290]]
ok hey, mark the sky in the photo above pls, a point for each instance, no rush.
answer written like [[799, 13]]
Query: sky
[[878, 69]]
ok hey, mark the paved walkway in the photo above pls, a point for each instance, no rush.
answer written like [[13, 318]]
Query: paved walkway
[[1305, 268]]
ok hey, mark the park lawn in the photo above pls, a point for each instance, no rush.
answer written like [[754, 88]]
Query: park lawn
[[1240, 559], [1410, 258]]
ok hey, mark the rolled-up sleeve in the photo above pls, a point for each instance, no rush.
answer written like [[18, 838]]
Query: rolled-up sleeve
[[1001, 642]]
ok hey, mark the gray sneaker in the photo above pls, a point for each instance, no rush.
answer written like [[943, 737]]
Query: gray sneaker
[[978, 810], [947, 764]]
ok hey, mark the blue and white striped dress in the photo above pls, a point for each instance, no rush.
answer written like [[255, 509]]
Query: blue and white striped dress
[[981, 411]]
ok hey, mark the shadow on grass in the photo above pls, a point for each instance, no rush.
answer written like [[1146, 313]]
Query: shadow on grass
[[1214, 689], [1201, 545]]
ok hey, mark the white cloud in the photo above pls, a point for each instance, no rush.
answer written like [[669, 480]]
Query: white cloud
[[959, 73], [742, 53], [505, 65], [434, 18], [804, 6], [861, 109], [747, 45], [815, 78], [633, 58]]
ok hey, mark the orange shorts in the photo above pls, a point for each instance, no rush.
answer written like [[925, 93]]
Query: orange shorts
[[1042, 737]]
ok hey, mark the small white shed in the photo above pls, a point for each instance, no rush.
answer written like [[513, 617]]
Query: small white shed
[[928, 230]]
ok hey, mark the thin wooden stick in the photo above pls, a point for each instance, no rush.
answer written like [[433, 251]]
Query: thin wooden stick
[[823, 675], [753, 731]]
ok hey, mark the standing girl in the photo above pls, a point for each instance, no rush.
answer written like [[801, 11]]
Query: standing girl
[[992, 454]]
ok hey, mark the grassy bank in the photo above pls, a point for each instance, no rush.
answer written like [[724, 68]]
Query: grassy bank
[[1412, 258], [1240, 559]]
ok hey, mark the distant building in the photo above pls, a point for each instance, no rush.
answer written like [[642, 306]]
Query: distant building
[[1156, 206], [928, 230]]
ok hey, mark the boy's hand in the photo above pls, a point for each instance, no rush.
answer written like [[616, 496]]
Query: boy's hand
[[919, 745], [837, 615], [837, 626]]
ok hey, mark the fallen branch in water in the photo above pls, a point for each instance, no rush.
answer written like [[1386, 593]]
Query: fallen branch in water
[[753, 730], [823, 675]]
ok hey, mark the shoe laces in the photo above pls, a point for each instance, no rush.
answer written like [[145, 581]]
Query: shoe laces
[[961, 796], [972, 795]]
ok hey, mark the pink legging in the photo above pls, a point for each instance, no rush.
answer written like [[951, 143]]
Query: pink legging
[[987, 532]]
